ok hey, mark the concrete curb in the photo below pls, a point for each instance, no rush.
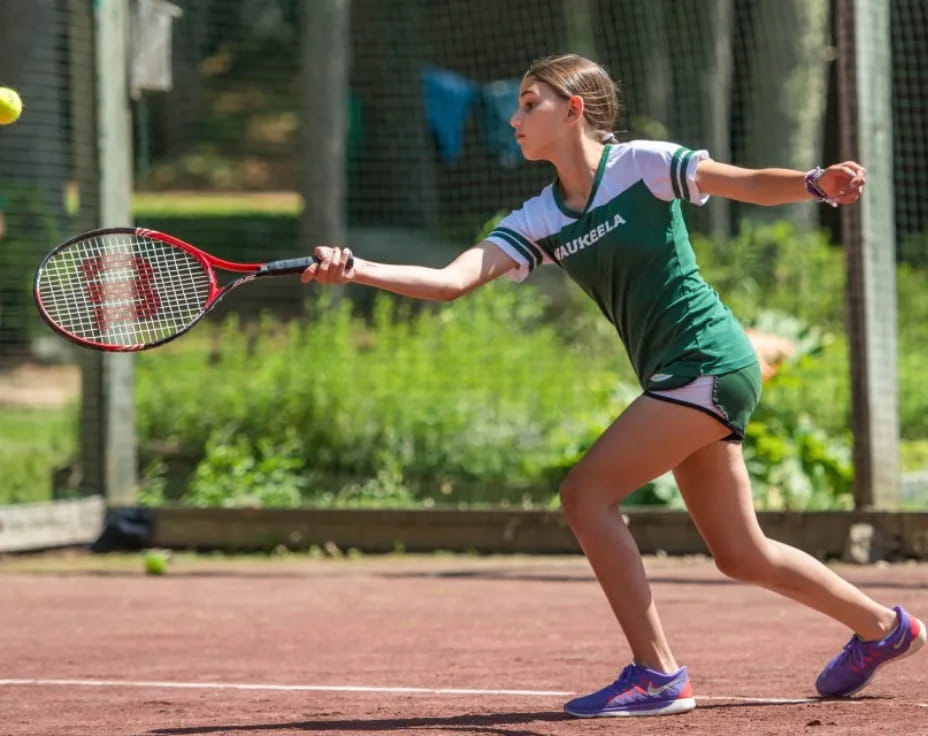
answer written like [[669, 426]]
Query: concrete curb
[[861, 536]]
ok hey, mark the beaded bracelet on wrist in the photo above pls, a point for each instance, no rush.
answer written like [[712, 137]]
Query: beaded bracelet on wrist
[[811, 181]]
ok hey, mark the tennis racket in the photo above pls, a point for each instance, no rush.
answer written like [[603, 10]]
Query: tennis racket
[[128, 289]]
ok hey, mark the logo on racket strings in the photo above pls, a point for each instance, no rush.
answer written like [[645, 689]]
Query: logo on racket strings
[[121, 288]]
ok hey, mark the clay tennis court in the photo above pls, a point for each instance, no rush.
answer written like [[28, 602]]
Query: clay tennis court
[[412, 645]]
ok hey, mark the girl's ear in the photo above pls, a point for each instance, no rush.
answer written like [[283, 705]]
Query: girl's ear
[[575, 108]]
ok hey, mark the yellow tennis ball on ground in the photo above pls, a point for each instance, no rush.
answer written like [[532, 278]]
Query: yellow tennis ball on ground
[[11, 106], [156, 563]]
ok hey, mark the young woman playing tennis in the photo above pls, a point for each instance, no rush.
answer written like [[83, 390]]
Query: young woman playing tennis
[[612, 219]]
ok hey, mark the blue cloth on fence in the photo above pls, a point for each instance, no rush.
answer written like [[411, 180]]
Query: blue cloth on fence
[[448, 99], [500, 101]]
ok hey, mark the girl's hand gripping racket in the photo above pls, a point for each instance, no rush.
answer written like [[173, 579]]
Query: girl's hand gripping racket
[[126, 289]]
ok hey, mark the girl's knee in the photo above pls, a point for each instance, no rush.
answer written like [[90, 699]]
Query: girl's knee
[[581, 494], [748, 565], [571, 494], [584, 498]]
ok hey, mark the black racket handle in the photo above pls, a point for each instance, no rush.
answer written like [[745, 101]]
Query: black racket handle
[[292, 265]]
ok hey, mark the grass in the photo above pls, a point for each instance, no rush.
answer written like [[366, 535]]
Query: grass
[[913, 455], [218, 203], [33, 442]]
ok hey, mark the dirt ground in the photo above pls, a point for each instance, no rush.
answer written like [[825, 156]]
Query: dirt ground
[[413, 645], [38, 386]]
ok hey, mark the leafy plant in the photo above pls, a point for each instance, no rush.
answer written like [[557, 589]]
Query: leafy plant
[[475, 401], [777, 267], [33, 444], [238, 472], [486, 400]]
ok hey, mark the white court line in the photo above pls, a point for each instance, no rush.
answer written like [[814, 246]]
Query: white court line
[[369, 689], [762, 701], [797, 701], [282, 688]]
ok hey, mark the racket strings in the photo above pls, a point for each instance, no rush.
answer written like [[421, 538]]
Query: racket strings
[[123, 289]]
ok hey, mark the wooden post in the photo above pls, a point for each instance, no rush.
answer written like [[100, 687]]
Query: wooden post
[[108, 447], [865, 55], [325, 51], [579, 22]]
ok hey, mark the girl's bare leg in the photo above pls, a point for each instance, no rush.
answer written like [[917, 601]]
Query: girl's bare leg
[[647, 440], [715, 485]]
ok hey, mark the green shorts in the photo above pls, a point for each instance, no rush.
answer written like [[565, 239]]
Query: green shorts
[[730, 397]]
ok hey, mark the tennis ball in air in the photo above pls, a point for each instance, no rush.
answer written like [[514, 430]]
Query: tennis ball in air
[[156, 563], [11, 106]]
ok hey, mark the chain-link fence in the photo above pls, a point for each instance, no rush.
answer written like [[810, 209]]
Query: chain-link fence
[[260, 128]]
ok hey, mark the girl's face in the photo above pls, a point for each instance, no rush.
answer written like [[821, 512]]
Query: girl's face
[[542, 118]]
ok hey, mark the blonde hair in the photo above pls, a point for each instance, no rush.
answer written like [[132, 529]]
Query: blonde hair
[[572, 74]]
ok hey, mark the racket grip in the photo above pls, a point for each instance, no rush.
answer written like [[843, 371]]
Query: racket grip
[[292, 265]]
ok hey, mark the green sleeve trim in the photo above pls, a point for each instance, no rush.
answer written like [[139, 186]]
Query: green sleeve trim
[[684, 167], [521, 244], [674, 163], [678, 166]]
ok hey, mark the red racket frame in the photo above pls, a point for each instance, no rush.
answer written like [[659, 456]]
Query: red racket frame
[[208, 261]]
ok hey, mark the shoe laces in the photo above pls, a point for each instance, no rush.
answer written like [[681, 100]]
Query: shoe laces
[[626, 677], [859, 653], [854, 652]]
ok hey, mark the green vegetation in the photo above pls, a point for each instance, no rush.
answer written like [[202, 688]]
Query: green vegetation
[[30, 217], [476, 401], [487, 400], [32, 443], [775, 267]]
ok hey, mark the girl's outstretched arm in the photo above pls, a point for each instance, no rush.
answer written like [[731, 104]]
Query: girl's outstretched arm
[[839, 184], [472, 268]]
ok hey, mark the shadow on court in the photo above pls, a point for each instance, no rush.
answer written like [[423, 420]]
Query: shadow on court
[[504, 724], [541, 577], [505, 574], [494, 723]]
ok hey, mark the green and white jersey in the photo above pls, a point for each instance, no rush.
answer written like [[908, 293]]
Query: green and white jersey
[[629, 249]]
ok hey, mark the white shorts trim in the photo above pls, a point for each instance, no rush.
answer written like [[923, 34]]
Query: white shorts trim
[[699, 392]]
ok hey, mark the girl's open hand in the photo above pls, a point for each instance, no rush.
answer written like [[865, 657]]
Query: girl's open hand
[[843, 183], [332, 266]]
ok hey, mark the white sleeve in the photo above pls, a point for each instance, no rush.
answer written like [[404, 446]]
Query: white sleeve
[[669, 170], [513, 236]]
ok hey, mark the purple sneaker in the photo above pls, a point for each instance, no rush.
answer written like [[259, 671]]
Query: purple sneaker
[[857, 663], [638, 692]]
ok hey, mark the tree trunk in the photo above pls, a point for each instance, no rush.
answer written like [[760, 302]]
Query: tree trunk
[[324, 124], [718, 85], [644, 69], [578, 27], [397, 168], [81, 190], [702, 97], [325, 51], [785, 91]]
